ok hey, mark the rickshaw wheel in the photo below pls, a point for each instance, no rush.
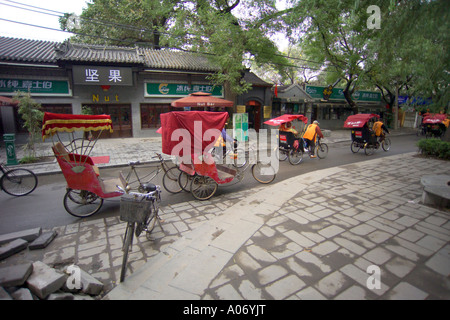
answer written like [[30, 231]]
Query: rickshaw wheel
[[82, 203], [295, 156], [203, 187], [170, 180], [183, 181], [369, 149], [355, 147], [263, 172], [386, 145]]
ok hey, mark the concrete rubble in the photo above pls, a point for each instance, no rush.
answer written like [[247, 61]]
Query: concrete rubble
[[38, 280]]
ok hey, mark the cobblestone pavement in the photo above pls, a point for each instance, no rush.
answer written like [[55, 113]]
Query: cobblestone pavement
[[310, 237]]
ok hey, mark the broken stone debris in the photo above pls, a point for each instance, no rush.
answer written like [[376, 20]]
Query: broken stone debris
[[45, 282], [30, 281]]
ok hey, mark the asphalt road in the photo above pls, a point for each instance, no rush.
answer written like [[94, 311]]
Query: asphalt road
[[44, 207]]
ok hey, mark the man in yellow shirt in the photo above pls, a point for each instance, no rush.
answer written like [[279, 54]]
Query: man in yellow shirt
[[310, 136], [379, 128]]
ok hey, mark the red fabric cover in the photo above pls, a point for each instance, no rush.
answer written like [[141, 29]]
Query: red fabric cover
[[286, 118], [434, 118], [57, 122], [194, 124], [358, 120]]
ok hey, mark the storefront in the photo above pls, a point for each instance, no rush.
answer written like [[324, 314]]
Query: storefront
[[133, 85], [331, 111]]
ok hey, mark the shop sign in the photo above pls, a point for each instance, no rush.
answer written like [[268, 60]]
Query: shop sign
[[338, 94], [177, 90], [36, 87], [96, 75]]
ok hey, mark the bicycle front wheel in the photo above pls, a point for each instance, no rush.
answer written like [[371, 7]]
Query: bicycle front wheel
[[263, 172], [82, 203], [322, 150], [19, 182], [170, 180], [355, 147], [127, 243], [386, 144]]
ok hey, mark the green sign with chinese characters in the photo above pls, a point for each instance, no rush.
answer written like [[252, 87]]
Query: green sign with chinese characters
[[35, 87], [338, 94], [177, 90]]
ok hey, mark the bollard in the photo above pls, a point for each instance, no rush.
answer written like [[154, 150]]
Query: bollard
[[9, 139]]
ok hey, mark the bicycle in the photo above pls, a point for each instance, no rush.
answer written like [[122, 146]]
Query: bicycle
[[140, 211], [296, 155], [17, 182], [169, 180]]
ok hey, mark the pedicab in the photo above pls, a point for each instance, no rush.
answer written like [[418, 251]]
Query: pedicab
[[189, 136], [433, 124], [288, 143], [86, 189], [362, 135]]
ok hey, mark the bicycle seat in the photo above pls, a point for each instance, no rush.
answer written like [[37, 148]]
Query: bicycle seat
[[148, 187]]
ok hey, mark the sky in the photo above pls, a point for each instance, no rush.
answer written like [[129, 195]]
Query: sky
[[10, 10], [45, 13]]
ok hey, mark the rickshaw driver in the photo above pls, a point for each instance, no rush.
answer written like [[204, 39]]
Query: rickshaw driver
[[310, 136], [379, 128]]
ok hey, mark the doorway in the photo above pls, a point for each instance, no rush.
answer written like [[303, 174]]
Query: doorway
[[120, 116], [254, 114]]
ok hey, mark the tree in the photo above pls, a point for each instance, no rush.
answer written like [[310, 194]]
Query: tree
[[122, 22], [31, 113], [214, 28]]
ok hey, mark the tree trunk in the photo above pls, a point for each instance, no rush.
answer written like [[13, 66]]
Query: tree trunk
[[348, 97]]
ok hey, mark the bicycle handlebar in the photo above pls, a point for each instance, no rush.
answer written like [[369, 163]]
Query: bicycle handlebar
[[149, 194]]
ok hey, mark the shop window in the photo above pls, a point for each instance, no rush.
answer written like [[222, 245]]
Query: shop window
[[150, 115], [57, 108]]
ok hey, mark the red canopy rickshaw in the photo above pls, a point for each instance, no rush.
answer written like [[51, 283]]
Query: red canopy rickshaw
[[362, 134], [287, 140], [189, 136], [85, 188]]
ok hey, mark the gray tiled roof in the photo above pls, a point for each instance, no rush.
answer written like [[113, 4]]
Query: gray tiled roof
[[68, 51], [35, 51], [27, 51], [177, 60]]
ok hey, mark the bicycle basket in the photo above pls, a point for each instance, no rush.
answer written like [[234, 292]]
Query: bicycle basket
[[133, 209]]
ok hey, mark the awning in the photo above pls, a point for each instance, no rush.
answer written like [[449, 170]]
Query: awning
[[5, 101], [358, 120], [434, 118], [201, 99], [57, 122], [286, 118]]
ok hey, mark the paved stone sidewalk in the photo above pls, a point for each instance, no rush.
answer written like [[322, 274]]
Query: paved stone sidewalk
[[312, 237]]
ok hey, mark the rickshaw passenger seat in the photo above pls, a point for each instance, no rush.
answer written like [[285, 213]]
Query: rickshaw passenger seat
[[60, 151]]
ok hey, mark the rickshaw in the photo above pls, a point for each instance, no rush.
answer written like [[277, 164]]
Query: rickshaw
[[433, 125], [362, 134], [287, 140], [290, 146], [85, 188], [189, 136]]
